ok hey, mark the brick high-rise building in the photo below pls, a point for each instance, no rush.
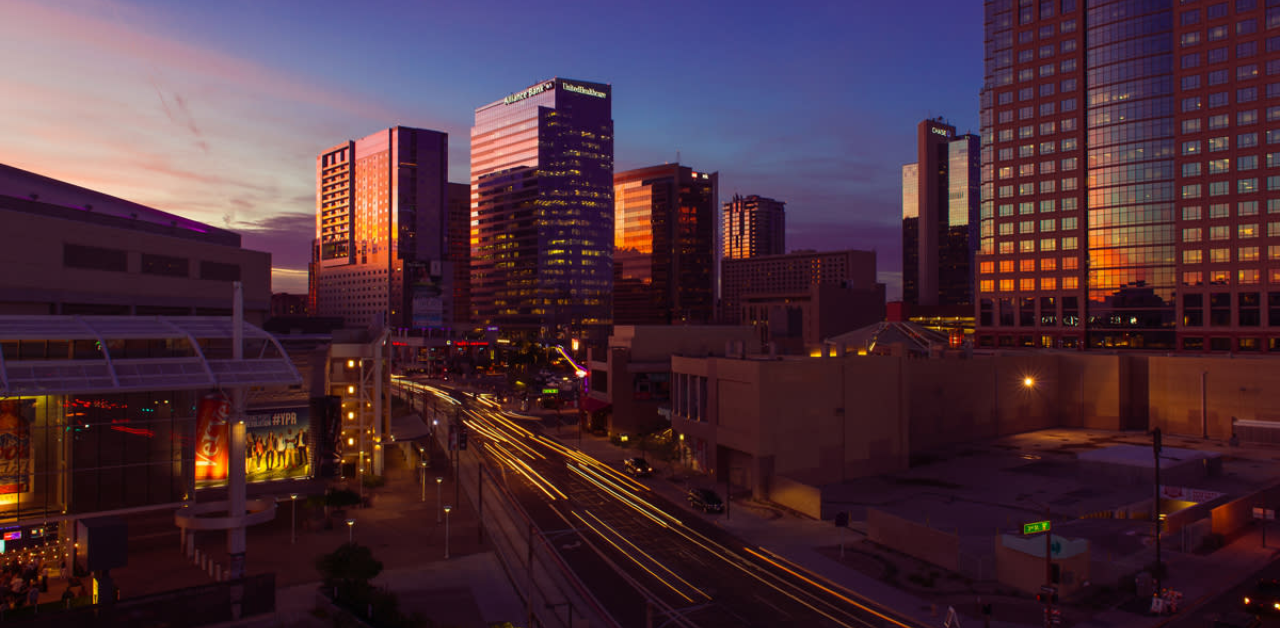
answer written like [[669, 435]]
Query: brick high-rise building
[[542, 211], [664, 245], [1127, 176], [380, 230], [754, 225]]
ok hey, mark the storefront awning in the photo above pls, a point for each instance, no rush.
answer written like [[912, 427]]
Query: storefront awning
[[591, 404], [51, 355]]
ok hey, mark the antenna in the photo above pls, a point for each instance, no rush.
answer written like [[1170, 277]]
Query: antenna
[[677, 156]]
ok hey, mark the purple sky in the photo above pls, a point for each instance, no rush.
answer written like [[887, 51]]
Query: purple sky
[[216, 110]]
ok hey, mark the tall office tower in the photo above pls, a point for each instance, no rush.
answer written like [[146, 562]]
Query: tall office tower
[[542, 211], [1157, 118], [380, 230], [459, 247], [939, 202], [910, 234], [754, 225], [664, 245]]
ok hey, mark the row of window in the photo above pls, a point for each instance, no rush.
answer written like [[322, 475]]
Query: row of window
[[117, 260], [1224, 188]]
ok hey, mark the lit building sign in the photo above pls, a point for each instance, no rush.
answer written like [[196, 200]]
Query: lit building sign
[[936, 131], [579, 89], [532, 91]]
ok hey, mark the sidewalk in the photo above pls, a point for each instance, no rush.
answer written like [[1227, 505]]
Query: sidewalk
[[400, 528]]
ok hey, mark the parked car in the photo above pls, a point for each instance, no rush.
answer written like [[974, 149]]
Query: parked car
[[637, 467], [705, 499], [1264, 598]]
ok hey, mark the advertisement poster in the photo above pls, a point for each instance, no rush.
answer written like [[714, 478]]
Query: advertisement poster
[[212, 439], [278, 444], [15, 447]]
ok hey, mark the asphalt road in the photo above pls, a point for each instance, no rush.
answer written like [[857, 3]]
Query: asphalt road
[[645, 558], [1229, 602]]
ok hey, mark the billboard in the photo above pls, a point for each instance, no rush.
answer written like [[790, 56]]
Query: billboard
[[277, 443], [15, 447]]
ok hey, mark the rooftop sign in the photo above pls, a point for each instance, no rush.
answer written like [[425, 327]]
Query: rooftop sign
[[580, 89], [532, 91]]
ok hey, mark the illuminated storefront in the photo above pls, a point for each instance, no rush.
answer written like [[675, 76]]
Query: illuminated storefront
[[98, 414]]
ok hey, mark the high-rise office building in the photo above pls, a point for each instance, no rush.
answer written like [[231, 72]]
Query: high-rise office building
[[1126, 176], [664, 245], [459, 248], [381, 230], [754, 225], [542, 211], [939, 203]]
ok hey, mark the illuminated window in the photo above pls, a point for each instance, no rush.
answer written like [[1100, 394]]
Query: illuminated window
[[1048, 263], [1247, 276], [1191, 256], [1006, 265], [1049, 283], [1027, 284], [1070, 283], [1006, 285]]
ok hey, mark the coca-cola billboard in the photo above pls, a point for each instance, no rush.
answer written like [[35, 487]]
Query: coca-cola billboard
[[15, 448], [213, 438]]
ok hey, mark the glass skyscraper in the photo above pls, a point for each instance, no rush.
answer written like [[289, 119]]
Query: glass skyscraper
[[754, 226], [1127, 149], [542, 211], [939, 207], [664, 247]]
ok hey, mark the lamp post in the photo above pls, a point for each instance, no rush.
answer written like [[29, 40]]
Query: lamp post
[[446, 530], [351, 526], [422, 467], [293, 518], [439, 481]]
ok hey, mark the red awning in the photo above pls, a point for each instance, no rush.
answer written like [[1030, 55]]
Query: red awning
[[591, 404]]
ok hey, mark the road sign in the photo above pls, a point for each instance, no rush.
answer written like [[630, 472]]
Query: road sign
[[1033, 528], [1264, 513]]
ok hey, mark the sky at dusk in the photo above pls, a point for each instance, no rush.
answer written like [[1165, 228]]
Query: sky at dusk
[[216, 110]]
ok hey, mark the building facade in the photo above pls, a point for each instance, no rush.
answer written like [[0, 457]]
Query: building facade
[[753, 285], [381, 229], [459, 247], [939, 203], [664, 245], [542, 211], [754, 226], [1126, 176], [72, 250]]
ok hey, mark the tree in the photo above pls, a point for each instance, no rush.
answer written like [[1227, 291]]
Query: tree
[[348, 570]]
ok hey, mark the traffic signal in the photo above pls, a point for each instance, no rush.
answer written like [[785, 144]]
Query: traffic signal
[[462, 436], [842, 520]]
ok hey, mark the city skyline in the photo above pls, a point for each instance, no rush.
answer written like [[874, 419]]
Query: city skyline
[[216, 115]]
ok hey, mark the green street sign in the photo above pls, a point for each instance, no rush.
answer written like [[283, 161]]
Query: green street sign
[[1038, 526]]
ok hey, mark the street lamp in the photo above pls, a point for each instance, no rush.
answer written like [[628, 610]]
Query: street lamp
[[293, 521], [446, 530], [422, 465], [1028, 382], [439, 481], [351, 526]]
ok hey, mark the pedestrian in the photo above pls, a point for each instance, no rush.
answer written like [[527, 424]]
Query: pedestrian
[[33, 596], [68, 594]]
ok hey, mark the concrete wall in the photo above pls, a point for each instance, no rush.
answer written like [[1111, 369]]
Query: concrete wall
[[1243, 388], [1026, 572], [34, 277], [798, 496], [914, 539]]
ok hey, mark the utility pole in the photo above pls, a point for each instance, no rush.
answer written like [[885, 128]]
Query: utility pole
[[1156, 446]]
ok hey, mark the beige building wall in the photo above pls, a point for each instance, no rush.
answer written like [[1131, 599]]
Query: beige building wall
[[36, 280], [1247, 389]]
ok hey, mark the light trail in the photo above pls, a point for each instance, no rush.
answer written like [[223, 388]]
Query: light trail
[[777, 561], [647, 555], [622, 551]]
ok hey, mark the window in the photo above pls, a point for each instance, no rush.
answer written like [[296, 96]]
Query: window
[[1246, 94], [1247, 254], [1247, 162], [1190, 38], [1068, 85], [1246, 117], [1190, 104], [1246, 140], [1191, 190], [1191, 169], [1191, 234], [1046, 90], [1247, 231], [1219, 232], [165, 266], [1069, 163], [1246, 71], [1191, 147], [1247, 208], [1046, 109], [1070, 243], [95, 258], [1191, 256], [1217, 55], [1219, 210], [1219, 166], [1190, 60], [1187, 18], [1191, 126], [1217, 144], [1246, 186], [1218, 77], [1069, 105], [1068, 65], [1216, 11], [1219, 188], [1246, 49], [1218, 33], [1191, 212], [1219, 99], [1219, 256], [1190, 82]]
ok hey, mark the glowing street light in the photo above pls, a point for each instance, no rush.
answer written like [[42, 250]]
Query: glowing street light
[[351, 526], [446, 530], [1028, 382], [439, 481]]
